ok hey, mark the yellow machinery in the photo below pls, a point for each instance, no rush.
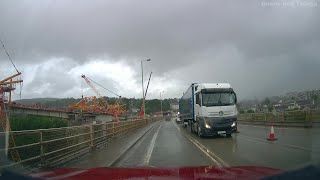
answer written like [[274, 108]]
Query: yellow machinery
[[7, 85]]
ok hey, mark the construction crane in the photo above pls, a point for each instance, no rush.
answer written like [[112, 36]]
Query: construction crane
[[85, 105], [7, 85], [141, 113], [105, 103], [115, 109]]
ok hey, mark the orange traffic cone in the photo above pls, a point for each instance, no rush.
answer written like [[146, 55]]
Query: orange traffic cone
[[271, 136]]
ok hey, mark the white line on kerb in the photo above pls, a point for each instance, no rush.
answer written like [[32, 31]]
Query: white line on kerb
[[151, 146]]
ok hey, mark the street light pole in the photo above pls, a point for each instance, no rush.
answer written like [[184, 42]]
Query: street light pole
[[142, 88], [143, 98], [161, 103]]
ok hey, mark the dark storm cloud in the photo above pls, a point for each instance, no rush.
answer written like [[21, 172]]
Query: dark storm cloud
[[260, 49]]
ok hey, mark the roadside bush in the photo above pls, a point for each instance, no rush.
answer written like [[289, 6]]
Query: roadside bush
[[20, 122]]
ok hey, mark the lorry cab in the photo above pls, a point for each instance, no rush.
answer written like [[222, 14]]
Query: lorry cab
[[215, 109], [212, 110]]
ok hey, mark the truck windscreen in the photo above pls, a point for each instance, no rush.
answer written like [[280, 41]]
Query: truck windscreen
[[218, 99]]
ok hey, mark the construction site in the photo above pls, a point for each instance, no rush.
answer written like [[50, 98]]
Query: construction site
[[88, 110]]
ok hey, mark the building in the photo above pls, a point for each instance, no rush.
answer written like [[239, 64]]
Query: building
[[279, 108], [305, 95], [262, 109], [292, 95], [293, 106]]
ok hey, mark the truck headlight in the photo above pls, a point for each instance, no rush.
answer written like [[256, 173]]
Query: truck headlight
[[207, 126], [233, 124]]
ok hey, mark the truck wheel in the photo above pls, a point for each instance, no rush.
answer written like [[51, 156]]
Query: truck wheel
[[228, 135], [199, 132]]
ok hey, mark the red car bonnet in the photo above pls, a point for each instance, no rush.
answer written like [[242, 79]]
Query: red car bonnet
[[203, 172]]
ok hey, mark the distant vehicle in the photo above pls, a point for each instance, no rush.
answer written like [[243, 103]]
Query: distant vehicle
[[209, 109], [168, 117], [178, 120]]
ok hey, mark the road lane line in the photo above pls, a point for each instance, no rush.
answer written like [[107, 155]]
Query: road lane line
[[137, 141], [206, 153], [151, 146], [204, 149], [273, 142], [210, 152]]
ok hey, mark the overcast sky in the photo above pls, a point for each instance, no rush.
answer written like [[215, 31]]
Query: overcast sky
[[261, 47]]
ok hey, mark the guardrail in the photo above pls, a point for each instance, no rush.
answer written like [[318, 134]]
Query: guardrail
[[48, 147], [304, 118]]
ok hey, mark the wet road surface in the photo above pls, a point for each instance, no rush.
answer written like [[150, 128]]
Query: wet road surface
[[164, 146], [170, 144]]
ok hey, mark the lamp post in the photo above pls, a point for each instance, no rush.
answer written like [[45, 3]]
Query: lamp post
[[161, 102], [143, 98]]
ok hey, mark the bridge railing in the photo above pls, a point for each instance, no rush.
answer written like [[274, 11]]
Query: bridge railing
[[48, 147], [303, 117]]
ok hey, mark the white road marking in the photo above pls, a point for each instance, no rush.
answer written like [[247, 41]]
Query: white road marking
[[211, 152], [274, 142], [206, 153], [205, 150], [151, 146]]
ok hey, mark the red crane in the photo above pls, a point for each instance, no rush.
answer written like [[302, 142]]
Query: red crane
[[104, 102], [115, 109]]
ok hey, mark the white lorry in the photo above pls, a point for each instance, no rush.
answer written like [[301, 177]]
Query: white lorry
[[209, 109]]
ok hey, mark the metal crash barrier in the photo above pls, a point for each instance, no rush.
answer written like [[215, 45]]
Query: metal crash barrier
[[287, 118]]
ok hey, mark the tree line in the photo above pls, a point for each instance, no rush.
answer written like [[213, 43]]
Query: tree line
[[152, 105]]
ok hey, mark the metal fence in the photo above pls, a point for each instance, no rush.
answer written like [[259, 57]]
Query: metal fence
[[307, 117], [46, 147]]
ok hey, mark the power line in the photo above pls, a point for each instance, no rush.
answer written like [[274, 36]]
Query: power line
[[104, 87], [8, 55]]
